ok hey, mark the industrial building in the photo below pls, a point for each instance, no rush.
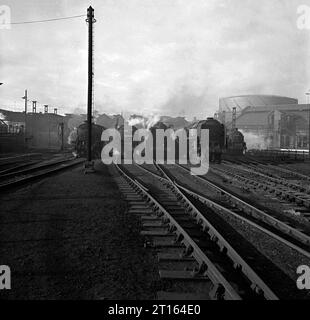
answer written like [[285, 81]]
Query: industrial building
[[42, 131], [268, 122]]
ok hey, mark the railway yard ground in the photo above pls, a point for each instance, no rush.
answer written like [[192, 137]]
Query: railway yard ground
[[153, 232], [69, 236]]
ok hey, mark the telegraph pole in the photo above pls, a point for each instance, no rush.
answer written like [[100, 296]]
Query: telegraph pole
[[308, 124], [308, 107], [61, 127], [91, 20], [26, 104]]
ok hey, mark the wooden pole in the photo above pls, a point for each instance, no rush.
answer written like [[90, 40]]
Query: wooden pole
[[90, 20], [26, 105]]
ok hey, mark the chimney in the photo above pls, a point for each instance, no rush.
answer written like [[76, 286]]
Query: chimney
[[34, 106], [55, 110], [224, 117], [46, 108], [234, 118]]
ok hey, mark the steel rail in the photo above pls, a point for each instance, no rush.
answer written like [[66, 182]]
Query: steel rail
[[220, 208], [294, 173], [257, 282], [35, 168], [301, 197], [257, 213], [234, 256], [272, 179], [32, 177], [272, 168], [206, 265], [13, 159], [19, 167]]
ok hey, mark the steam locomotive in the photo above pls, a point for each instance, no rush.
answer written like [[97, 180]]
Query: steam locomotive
[[81, 140], [235, 144], [216, 137], [220, 141]]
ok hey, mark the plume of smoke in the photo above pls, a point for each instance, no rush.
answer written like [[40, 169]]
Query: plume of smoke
[[135, 121], [75, 121], [95, 116], [151, 121], [72, 136], [255, 141], [146, 122], [2, 116], [173, 135]]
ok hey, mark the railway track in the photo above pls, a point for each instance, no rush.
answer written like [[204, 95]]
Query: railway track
[[17, 167], [297, 172], [7, 163], [287, 175], [282, 172], [278, 174], [182, 234], [21, 157], [294, 237], [23, 175], [272, 237], [282, 188]]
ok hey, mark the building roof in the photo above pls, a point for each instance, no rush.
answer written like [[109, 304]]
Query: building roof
[[282, 107], [14, 116], [243, 101], [258, 116], [2, 123]]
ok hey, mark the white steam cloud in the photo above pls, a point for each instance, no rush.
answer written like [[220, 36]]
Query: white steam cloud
[[72, 136], [255, 141], [152, 121], [136, 121], [146, 122]]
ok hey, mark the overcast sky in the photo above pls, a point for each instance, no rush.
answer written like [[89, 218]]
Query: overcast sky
[[172, 57]]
